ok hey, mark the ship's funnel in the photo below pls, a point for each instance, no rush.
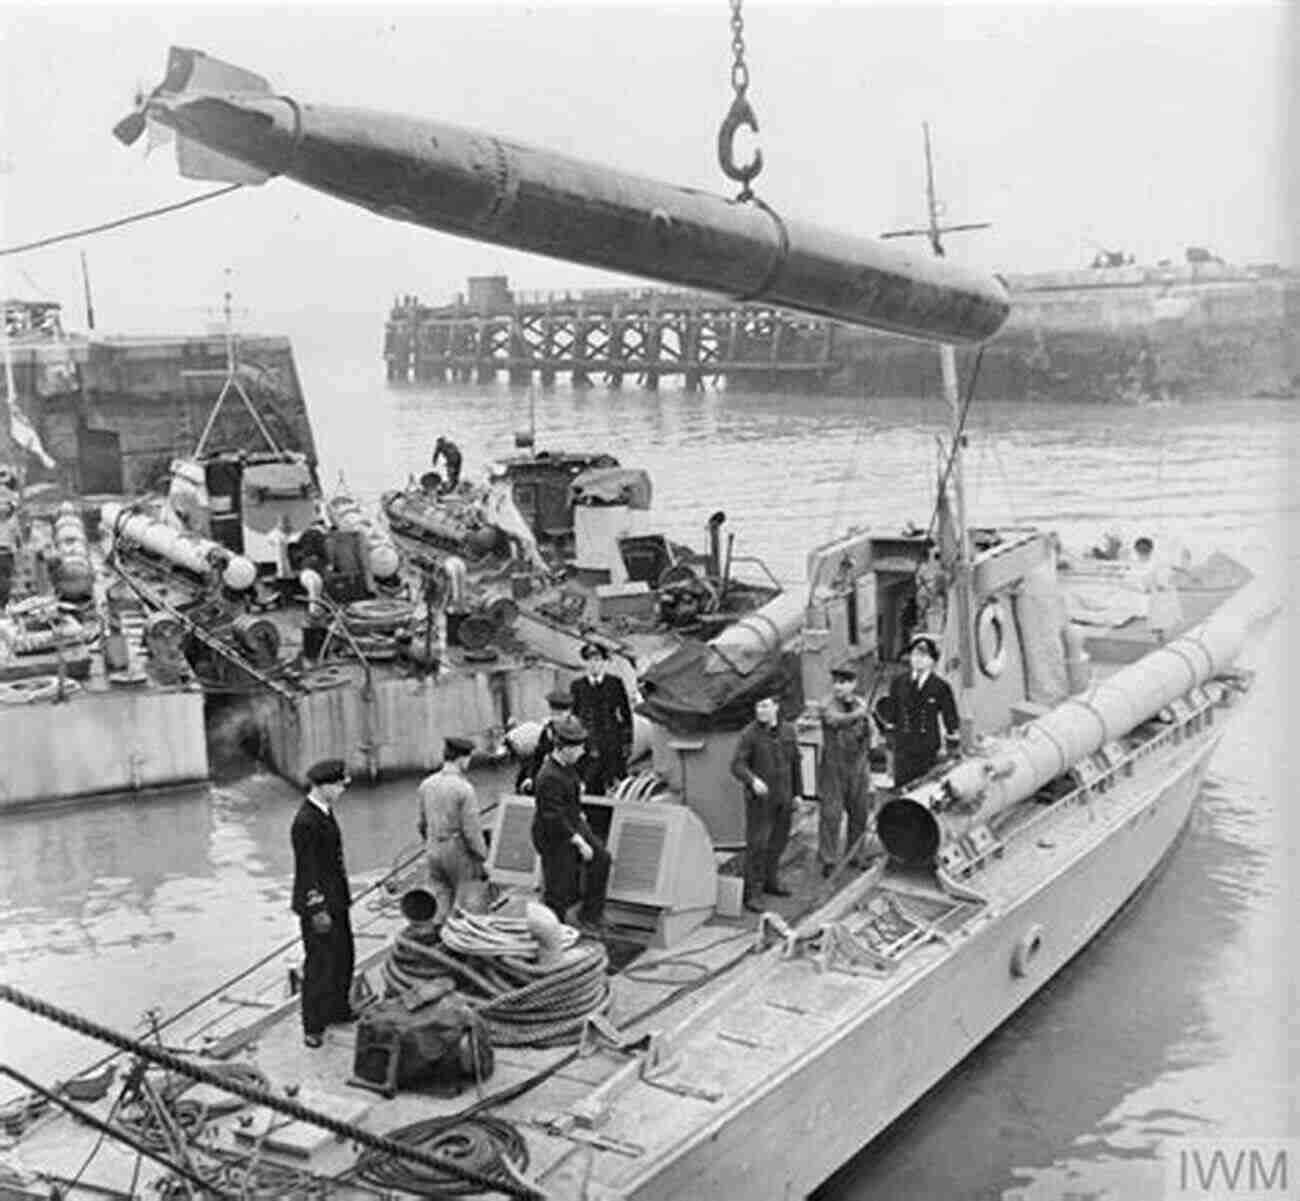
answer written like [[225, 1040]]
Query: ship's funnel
[[493, 190]]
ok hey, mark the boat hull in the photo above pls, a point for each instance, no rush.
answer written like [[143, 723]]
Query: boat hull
[[102, 743], [863, 1075]]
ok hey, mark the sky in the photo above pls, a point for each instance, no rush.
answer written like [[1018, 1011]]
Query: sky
[[1145, 128]]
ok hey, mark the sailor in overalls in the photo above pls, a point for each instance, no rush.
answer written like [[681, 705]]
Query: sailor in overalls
[[449, 824]]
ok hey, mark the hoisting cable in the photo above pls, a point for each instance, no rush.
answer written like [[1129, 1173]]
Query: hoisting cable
[[121, 221], [741, 113], [105, 1130], [255, 1096]]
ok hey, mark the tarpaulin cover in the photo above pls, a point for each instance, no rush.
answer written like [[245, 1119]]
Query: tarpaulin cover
[[612, 486], [696, 689]]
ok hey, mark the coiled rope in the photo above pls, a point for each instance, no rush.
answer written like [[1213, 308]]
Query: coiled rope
[[522, 1002], [485, 1146], [255, 1096]]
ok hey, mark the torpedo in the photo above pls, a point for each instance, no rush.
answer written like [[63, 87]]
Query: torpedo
[[232, 127]]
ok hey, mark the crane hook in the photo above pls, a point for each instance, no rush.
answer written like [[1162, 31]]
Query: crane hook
[[741, 113]]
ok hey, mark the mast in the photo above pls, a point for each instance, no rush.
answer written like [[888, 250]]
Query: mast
[[90, 304], [9, 453], [962, 584]]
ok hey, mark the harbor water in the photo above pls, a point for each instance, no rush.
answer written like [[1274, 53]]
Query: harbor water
[[1178, 1022]]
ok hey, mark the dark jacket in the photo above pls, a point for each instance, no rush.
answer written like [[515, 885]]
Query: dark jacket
[[532, 764], [846, 737], [320, 881], [770, 755], [557, 793], [603, 708], [916, 712]]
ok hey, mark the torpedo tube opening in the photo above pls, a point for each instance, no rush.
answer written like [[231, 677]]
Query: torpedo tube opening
[[908, 831]]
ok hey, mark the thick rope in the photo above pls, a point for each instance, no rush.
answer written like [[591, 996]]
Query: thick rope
[[255, 1096]]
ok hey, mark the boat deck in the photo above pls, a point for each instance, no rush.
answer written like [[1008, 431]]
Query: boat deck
[[726, 1053]]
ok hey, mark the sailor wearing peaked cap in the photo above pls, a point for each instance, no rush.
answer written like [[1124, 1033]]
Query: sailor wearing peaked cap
[[569, 731], [923, 713], [561, 703], [844, 671], [575, 864], [321, 899], [927, 644], [448, 821], [456, 748], [601, 702], [328, 771]]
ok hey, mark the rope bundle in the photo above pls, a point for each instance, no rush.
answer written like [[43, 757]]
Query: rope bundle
[[495, 937], [493, 960]]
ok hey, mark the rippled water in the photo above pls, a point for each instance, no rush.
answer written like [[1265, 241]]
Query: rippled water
[[1176, 1021]]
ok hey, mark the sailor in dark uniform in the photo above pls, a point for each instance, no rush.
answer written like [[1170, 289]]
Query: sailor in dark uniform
[[600, 703], [449, 453], [561, 705], [321, 900], [919, 702], [575, 864]]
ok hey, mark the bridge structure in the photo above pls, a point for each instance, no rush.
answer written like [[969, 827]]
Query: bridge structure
[[611, 335]]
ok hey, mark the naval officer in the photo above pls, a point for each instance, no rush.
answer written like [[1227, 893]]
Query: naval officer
[[321, 899], [600, 703], [923, 714]]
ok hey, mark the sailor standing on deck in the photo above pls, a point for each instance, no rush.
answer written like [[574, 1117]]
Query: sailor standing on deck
[[321, 899], [921, 704], [449, 824], [844, 781], [561, 706], [1155, 579], [600, 703], [575, 864], [766, 762]]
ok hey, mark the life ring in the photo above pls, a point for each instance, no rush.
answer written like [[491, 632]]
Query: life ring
[[1031, 942], [991, 638]]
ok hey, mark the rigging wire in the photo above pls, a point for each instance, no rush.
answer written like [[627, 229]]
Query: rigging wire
[[131, 219], [89, 1119]]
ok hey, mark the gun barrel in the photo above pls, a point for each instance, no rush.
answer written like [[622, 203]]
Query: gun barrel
[[491, 189]]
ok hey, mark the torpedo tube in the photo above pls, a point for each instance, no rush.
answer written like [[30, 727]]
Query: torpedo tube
[[913, 827], [195, 555]]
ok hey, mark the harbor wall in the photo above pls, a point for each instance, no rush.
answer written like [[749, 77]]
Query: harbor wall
[[95, 742], [113, 413], [1221, 339]]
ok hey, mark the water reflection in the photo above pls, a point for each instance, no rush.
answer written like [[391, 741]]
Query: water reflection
[[1171, 1022]]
